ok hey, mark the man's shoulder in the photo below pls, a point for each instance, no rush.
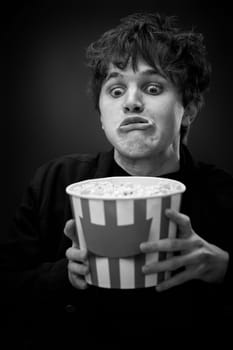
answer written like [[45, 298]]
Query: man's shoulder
[[203, 168], [211, 169], [213, 175], [74, 167], [69, 161], [73, 158]]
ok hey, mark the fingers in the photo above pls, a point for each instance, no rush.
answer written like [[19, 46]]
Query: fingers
[[176, 280], [171, 245], [78, 255], [77, 281], [187, 240], [71, 233], [172, 264], [69, 229], [78, 267]]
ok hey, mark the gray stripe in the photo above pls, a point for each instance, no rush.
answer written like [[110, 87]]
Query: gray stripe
[[164, 224], [93, 268], [114, 271], [110, 213], [73, 213], [140, 278]]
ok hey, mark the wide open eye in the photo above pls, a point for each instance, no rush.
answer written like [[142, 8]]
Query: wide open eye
[[153, 89], [117, 91]]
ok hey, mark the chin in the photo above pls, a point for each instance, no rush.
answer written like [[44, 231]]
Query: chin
[[135, 152], [136, 148]]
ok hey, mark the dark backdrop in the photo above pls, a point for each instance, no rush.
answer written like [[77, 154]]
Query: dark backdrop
[[45, 109]]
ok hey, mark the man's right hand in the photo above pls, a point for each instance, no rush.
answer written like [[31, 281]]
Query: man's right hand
[[78, 266]]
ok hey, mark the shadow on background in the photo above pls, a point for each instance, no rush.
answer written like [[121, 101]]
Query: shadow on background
[[46, 111]]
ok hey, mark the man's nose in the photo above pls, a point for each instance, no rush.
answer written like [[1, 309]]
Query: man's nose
[[133, 104]]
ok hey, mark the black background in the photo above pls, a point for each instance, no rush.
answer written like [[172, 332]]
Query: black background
[[45, 110]]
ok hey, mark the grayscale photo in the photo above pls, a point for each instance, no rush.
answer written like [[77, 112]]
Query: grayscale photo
[[118, 175]]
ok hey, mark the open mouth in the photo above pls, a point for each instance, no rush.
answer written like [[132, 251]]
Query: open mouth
[[135, 123]]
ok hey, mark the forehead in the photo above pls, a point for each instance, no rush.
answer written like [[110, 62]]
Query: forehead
[[141, 68]]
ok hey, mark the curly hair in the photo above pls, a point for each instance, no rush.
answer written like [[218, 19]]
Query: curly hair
[[178, 55]]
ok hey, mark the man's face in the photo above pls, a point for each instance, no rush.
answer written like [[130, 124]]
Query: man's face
[[141, 111]]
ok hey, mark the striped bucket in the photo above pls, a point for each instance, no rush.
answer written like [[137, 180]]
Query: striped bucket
[[112, 230]]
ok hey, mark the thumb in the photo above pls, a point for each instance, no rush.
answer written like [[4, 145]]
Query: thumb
[[183, 222]]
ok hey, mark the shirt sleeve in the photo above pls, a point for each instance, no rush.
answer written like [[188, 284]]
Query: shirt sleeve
[[221, 216], [31, 266]]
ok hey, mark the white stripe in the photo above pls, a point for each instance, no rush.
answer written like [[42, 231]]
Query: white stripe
[[125, 212], [77, 206], [175, 202], [172, 228], [153, 209], [127, 268], [97, 211], [88, 278], [103, 275]]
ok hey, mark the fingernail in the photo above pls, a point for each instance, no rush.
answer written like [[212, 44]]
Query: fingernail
[[158, 288], [142, 246], [84, 253]]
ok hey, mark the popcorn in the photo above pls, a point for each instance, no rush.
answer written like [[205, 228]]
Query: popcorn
[[124, 189]]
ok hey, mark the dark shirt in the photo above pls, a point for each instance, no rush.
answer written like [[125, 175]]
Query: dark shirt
[[34, 266]]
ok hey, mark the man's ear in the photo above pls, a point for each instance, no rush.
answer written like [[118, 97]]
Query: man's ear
[[190, 114]]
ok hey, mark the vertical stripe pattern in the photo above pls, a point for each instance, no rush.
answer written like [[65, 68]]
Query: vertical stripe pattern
[[175, 204], [125, 272], [165, 203], [153, 211]]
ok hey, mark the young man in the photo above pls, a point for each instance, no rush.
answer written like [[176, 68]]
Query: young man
[[148, 84]]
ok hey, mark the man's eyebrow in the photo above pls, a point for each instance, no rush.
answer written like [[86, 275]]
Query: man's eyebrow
[[150, 71], [147, 72], [113, 75]]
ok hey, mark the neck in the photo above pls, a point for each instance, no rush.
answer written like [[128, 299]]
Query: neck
[[156, 165]]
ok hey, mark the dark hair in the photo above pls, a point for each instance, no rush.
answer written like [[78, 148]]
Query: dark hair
[[176, 54]]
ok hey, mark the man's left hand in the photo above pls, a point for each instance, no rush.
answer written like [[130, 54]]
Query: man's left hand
[[200, 259]]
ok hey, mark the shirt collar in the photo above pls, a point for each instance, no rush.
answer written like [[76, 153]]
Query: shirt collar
[[108, 167]]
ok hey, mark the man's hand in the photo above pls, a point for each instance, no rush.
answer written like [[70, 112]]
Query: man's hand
[[78, 266], [201, 260]]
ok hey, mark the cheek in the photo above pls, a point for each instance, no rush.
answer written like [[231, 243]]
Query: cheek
[[104, 113], [168, 124], [103, 103], [108, 121], [109, 114], [171, 116]]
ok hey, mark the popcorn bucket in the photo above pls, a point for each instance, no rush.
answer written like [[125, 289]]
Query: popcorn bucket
[[112, 224]]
